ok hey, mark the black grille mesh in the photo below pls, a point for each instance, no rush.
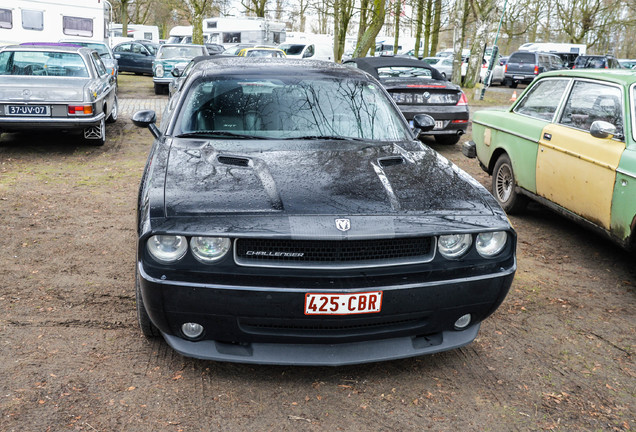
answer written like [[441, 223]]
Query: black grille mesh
[[332, 251]]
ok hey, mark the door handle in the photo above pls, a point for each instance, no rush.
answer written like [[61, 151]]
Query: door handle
[[547, 136]]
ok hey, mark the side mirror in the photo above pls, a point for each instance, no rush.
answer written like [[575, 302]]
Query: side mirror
[[602, 129], [423, 122], [146, 119], [176, 72]]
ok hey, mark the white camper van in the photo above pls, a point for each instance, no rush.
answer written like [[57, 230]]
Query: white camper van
[[229, 31], [136, 31], [52, 20]]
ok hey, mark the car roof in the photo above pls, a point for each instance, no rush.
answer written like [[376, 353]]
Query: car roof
[[48, 46], [370, 64], [232, 65], [180, 45], [619, 76]]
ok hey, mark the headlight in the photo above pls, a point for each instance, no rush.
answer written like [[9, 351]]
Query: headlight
[[159, 71], [453, 246], [209, 249], [167, 248], [491, 243]]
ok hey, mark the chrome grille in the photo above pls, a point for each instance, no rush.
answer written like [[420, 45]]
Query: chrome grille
[[333, 253]]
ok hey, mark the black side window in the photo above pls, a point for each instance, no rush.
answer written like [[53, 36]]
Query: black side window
[[543, 99]]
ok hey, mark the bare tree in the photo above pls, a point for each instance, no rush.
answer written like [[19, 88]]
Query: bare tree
[[483, 12], [377, 21], [419, 18], [257, 7], [343, 12], [197, 10]]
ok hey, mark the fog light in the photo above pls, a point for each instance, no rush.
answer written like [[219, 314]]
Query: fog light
[[462, 322], [192, 330]]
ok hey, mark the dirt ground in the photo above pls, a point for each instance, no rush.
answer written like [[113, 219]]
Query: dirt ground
[[557, 355]]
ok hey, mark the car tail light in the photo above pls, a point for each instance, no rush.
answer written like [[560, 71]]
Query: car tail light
[[536, 70], [80, 109], [505, 68], [462, 100]]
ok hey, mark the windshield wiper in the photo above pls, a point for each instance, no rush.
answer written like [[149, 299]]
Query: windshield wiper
[[325, 137], [204, 133]]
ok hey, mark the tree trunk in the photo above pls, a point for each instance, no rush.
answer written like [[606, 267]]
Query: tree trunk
[[377, 21], [398, 12], [124, 18], [427, 29], [418, 28], [437, 24], [459, 20], [362, 26]]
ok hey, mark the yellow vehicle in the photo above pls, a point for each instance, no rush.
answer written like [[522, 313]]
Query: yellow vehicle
[[261, 52]]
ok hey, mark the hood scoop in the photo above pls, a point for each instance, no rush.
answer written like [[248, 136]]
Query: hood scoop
[[234, 160], [391, 161]]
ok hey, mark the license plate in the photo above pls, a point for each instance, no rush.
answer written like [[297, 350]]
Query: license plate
[[343, 304], [27, 110], [518, 77], [438, 124]]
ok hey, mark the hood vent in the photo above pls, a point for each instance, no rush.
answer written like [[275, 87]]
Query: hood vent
[[233, 160], [390, 161]]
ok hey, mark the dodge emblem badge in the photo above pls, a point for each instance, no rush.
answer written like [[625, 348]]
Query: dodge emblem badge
[[343, 224]]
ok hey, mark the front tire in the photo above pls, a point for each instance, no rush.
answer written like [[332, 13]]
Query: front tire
[[148, 329], [447, 139], [160, 89], [504, 186]]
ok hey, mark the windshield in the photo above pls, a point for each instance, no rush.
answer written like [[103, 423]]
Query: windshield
[[403, 71], [100, 48], [291, 108], [292, 49], [171, 52], [42, 63]]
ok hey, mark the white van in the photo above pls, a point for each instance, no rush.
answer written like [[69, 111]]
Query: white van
[[308, 51]]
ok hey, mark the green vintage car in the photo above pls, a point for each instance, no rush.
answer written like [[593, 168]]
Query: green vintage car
[[569, 143], [169, 56]]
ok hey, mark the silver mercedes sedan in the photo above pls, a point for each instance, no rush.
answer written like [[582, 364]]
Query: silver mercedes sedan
[[56, 86]]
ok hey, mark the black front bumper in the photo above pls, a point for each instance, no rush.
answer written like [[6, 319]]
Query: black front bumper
[[267, 325]]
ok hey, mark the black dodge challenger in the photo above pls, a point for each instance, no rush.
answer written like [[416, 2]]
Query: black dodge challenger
[[289, 215]]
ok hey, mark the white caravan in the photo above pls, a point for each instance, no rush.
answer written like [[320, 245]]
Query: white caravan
[[136, 31], [52, 20], [230, 31]]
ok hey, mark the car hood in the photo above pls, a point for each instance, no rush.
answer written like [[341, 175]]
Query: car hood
[[316, 177], [43, 89]]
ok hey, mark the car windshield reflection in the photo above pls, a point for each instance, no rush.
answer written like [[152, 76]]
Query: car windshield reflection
[[273, 108]]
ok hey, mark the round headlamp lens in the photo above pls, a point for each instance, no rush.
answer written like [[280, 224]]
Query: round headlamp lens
[[209, 249], [167, 248], [159, 71], [490, 244], [454, 246]]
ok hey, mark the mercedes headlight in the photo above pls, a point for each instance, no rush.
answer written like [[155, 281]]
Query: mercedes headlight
[[159, 71]]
